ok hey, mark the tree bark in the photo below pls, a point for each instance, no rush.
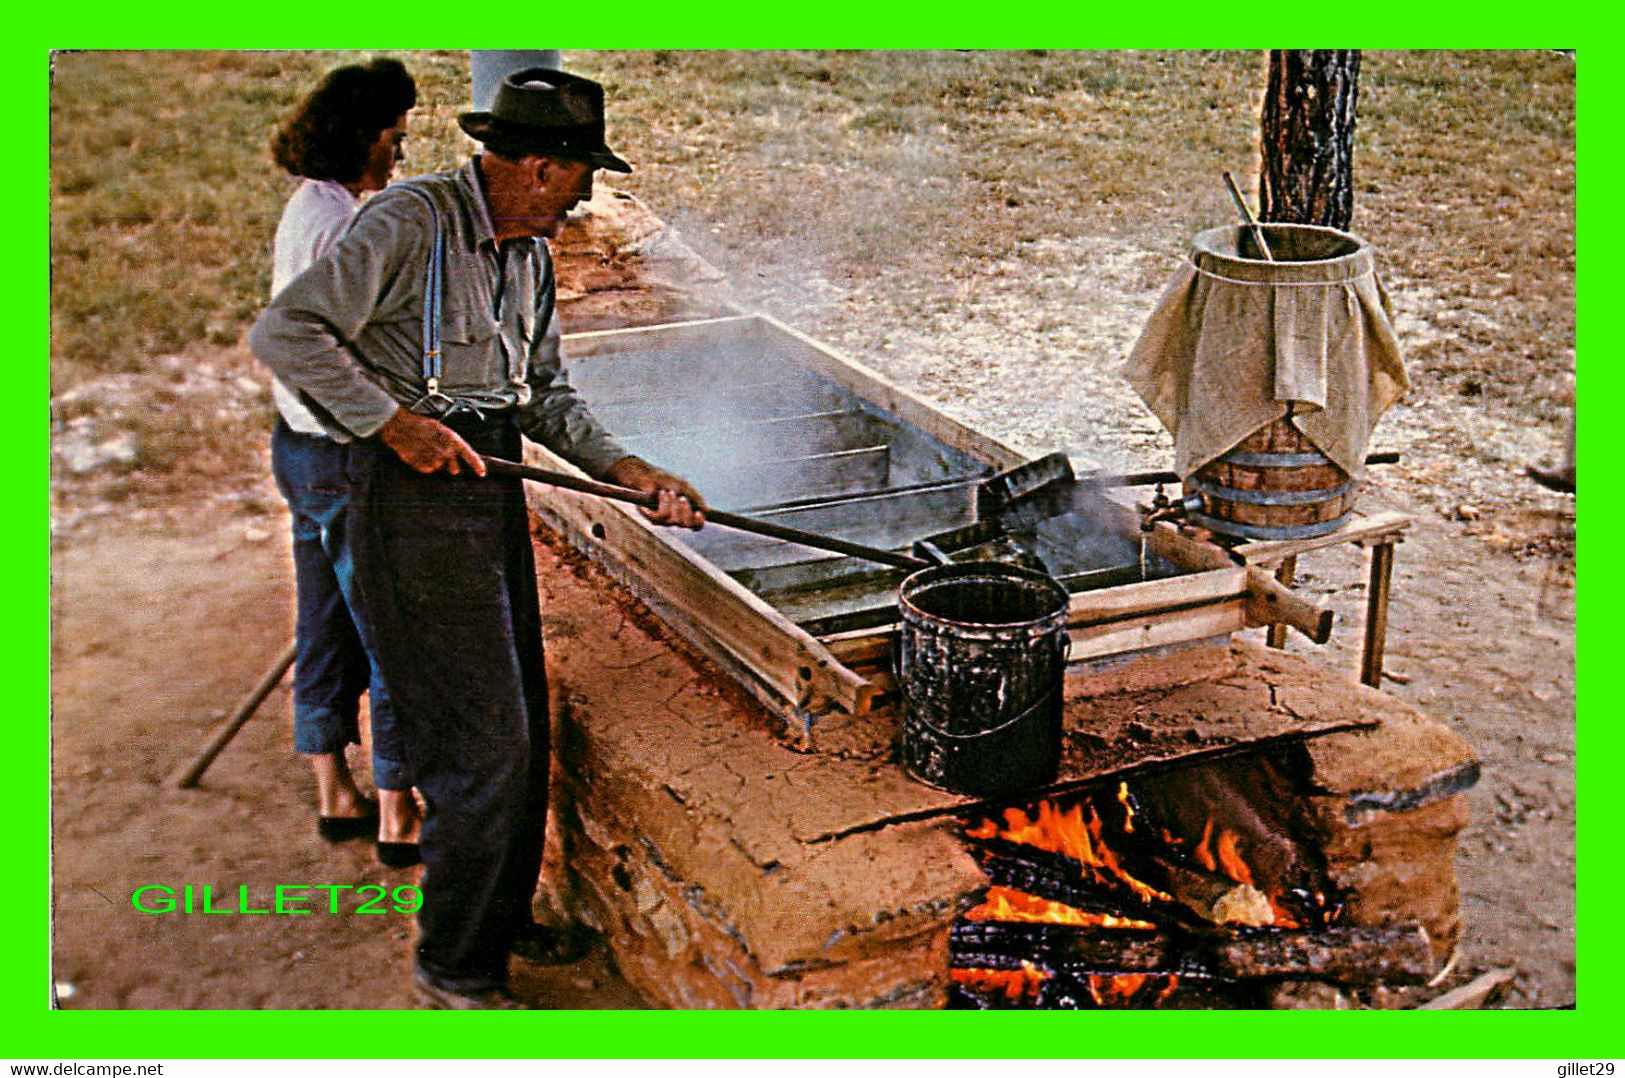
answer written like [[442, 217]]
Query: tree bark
[[1306, 136]]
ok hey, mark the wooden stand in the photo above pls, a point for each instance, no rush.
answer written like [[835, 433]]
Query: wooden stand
[[1380, 532]]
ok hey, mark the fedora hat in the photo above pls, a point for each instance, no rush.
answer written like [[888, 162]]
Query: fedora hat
[[546, 112]]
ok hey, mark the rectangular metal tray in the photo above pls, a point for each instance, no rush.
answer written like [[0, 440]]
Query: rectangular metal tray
[[768, 421]]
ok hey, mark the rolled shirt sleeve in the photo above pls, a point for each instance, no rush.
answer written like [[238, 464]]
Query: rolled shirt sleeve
[[556, 416]]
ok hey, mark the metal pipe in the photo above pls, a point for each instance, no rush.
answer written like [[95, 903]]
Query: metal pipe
[[714, 516], [1146, 479]]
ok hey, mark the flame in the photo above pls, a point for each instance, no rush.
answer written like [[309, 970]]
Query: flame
[[1077, 832], [1113, 989], [1204, 852], [1128, 807], [1067, 833], [1119, 989], [1016, 984], [1228, 860], [1280, 917], [1008, 904], [985, 829]]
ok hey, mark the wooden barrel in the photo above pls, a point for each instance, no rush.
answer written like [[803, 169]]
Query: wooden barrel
[[1274, 484]]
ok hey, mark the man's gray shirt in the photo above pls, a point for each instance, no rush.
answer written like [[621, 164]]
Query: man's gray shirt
[[348, 332]]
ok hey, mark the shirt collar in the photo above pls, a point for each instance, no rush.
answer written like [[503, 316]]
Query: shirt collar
[[335, 189], [468, 178]]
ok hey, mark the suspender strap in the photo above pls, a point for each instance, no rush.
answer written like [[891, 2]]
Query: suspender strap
[[434, 289]]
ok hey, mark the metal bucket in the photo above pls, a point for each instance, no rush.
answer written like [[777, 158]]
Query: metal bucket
[[980, 658], [1273, 485]]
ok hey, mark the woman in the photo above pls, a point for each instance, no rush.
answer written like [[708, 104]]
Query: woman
[[343, 141]]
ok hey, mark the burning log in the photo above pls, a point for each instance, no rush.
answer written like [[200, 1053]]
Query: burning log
[[1233, 816], [1202, 897], [1065, 992], [1054, 851], [995, 989], [1353, 954], [1212, 897], [1029, 989], [1052, 876], [1005, 945], [1347, 954]]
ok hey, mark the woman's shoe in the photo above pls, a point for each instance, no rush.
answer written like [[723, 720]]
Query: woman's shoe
[[346, 828], [399, 854]]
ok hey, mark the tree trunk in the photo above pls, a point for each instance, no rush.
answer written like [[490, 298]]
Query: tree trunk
[[1306, 137]]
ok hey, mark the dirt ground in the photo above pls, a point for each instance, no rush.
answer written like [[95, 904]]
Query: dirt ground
[[168, 605], [162, 621]]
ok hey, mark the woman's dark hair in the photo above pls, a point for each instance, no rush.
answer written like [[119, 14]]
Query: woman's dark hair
[[330, 133]]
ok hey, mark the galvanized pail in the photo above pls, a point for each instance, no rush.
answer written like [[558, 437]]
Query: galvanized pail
[[980, 658]]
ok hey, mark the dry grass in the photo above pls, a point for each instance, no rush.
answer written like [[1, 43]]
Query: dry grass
[[927, 164], [920, 173], [881, 158], [164, 200], [164, 197]]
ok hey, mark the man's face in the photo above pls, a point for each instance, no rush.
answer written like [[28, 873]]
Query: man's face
[[384, 155], [558, 186]]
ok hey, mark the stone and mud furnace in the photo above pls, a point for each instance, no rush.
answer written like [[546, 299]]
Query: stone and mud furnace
[[732, 812]]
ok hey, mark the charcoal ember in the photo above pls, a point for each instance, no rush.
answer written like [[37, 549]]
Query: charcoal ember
[[964, 998], [1055, 948], [1083, 992], [1311, 909]]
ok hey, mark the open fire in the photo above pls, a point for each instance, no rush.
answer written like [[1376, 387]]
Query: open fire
[[1122, 899]]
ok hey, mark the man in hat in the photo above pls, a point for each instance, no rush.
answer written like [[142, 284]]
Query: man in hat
[[427, 337]]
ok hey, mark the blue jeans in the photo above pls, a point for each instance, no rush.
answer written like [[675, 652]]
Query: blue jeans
[[332, 667]]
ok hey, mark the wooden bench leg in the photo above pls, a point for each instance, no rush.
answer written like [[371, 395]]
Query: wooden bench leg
[[1286, 572], [1376, 615]]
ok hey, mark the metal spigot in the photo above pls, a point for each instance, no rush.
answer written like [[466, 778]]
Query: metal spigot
[[1165, 508]]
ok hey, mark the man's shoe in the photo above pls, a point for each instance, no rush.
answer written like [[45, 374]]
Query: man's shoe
[[440, 998], [554, 945]]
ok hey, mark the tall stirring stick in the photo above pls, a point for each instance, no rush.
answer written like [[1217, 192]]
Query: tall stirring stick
[[1258, 235], [1247, 216]]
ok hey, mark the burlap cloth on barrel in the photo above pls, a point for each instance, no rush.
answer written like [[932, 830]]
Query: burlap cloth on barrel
[[1235, 340]]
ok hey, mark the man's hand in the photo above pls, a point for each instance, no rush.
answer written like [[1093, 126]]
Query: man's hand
[[680, 504], [428, 445]]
